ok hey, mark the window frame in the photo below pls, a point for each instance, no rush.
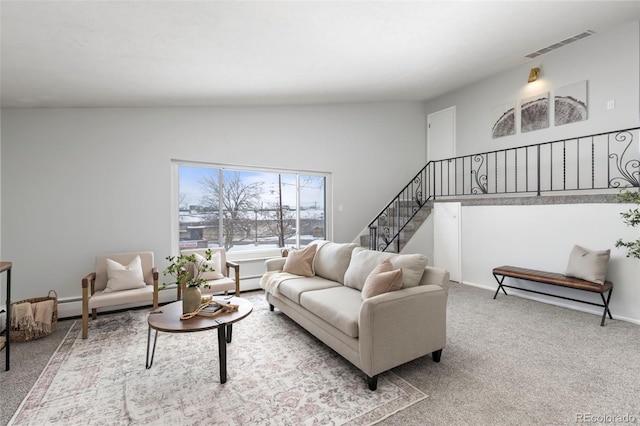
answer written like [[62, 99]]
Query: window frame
[[253, 253]]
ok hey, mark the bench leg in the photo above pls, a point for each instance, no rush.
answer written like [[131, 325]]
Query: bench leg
[[499, 285], [606, 307]]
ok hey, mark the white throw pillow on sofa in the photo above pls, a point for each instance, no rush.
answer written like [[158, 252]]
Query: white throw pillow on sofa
[[121, 277], [412, 266], [332, 260], [363, 261]]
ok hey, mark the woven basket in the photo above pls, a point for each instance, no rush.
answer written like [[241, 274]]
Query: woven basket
[[18, 335]]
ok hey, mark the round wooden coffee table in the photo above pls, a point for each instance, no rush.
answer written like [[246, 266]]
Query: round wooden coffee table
[[167, 319]]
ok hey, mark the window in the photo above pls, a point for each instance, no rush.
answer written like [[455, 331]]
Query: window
[[249, 209]]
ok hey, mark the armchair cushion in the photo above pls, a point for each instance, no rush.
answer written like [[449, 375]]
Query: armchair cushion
[[146, 259], [217, 283], [121, 277], [214, 263], [220, 251]]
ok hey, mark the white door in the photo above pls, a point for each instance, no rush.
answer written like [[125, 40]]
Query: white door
[[446, 239], [441, 134]]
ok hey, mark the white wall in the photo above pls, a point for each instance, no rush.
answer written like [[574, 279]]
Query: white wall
[[541, 237], [78, 182], [2, 285]]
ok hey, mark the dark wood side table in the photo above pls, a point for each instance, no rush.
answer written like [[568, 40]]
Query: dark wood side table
[[6, 266], [167, 319]]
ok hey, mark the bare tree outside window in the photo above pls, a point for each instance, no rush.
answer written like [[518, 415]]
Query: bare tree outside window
[[238, 196], [250, 209]]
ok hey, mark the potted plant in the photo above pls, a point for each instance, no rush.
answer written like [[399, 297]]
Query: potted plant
[[187, 272], [632, 218]]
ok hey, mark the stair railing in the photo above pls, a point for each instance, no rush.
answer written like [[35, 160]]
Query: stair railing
[[601, 161]]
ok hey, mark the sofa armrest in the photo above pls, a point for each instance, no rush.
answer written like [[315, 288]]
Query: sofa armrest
[[435, 276], [275, 264], [400, 326]]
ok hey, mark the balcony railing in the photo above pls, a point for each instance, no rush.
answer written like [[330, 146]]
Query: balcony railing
[[601, 161]]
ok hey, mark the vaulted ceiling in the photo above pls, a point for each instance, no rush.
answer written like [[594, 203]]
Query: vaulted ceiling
[[200, 53]]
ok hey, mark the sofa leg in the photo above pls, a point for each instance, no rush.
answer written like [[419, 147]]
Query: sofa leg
[[436, 355], [372, 382], [271, 307]]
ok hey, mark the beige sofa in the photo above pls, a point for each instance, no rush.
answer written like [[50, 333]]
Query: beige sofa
[[375, 334]]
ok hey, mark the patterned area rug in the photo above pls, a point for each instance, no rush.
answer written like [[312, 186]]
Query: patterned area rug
[[277, 374]]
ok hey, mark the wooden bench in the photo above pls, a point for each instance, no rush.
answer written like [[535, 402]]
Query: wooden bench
[[554, 279]]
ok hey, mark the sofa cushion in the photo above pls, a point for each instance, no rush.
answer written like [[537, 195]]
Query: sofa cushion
[[293, 288], [382, 279], [339, 306], [300, 262], [332, 260], [363, 261]]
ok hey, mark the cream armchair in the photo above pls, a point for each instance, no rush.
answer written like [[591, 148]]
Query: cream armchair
[[223, 283], [119, 279]]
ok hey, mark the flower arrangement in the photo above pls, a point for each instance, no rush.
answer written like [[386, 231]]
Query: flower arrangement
[[186, 269]]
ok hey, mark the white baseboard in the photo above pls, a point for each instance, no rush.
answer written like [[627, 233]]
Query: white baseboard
[[552, 301]]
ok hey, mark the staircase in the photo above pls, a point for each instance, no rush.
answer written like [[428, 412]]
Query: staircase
[[394, 229], [602, 162]]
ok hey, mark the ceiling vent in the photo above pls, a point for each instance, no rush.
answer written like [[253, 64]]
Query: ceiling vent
[[560, 44]]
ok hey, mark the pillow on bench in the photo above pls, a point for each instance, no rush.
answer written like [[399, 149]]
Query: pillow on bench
[[588, 265]]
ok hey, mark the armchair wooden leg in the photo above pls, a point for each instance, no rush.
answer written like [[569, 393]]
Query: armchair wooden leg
[[94, 314], [85, 312], [85, 324]]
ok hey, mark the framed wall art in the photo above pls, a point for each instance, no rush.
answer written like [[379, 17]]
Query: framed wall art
[[534, 113], [570, 103], [504, 120]]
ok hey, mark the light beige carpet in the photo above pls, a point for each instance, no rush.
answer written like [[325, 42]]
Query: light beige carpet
[[277, 374]]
